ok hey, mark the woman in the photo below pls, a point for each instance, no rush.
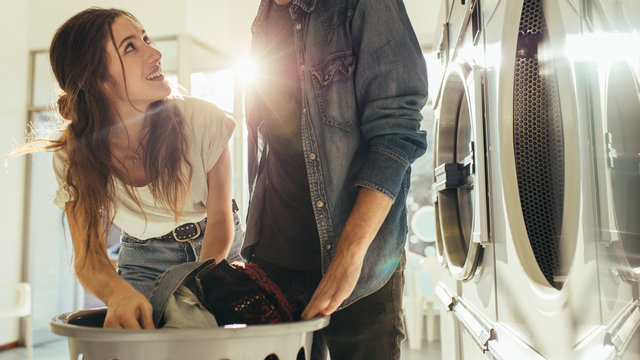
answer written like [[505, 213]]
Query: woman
[[158, 167]]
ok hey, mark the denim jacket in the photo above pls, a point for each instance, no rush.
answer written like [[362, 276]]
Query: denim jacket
[[364, 82]]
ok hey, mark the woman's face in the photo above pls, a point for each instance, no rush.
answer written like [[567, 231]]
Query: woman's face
[[141, 64]]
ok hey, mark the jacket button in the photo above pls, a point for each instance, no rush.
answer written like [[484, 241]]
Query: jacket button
[[312, 156], [298, 27], [327, 247], [304, 110], [319, 204]]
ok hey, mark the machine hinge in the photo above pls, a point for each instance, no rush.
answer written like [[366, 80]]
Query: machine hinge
[[623, 328], [611, 152], [451, 176], [479, 329], [623, 164]]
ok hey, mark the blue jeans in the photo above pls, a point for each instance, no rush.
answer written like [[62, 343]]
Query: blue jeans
[[140, 262]]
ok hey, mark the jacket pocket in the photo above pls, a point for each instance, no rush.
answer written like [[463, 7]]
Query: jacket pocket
[[334, 89]]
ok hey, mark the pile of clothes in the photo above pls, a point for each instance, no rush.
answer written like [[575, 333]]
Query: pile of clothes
[[208, 294]]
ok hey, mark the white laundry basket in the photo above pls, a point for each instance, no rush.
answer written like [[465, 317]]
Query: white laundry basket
[[89, 341]]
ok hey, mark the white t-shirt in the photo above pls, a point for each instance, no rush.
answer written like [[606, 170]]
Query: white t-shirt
[[208, 130]]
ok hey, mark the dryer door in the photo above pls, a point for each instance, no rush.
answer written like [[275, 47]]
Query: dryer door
[[620, 169], [459, 161], [545, 148]]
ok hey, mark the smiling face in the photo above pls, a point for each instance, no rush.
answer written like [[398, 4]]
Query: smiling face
[[142, 81]]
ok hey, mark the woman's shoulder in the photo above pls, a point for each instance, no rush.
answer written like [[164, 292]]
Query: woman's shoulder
[[192, 106], [204, 116]]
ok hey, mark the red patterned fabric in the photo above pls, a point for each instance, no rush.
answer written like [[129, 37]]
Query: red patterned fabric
[[241, 293]]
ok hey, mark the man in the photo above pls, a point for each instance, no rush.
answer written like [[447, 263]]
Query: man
[[333, 123]]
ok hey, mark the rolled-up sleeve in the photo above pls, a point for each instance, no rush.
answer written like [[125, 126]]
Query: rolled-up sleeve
[[60, 166], [391, 89]]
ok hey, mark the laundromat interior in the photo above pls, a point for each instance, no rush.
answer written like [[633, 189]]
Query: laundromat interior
[[523, 216]]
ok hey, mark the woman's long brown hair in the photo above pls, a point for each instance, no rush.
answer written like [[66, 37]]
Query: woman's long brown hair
[[78, 59]]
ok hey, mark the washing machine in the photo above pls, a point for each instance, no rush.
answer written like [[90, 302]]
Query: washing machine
[[571, 299], [545, 238], [612, 78], [535, 221], [467, 283], [502, 253]]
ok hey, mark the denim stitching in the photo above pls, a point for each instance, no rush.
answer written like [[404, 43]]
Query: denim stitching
[[378, 188], [386, 151]]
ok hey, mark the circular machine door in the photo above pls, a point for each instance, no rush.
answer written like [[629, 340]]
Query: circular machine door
[[460, 184], [622, 168], [540, 151]]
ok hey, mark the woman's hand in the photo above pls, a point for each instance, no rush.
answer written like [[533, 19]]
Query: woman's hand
[[128, 309]]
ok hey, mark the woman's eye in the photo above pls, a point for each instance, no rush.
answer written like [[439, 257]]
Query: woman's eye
[[129, 48], [147, 40]]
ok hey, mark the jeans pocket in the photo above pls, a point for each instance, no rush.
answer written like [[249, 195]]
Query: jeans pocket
[[335, 90], [133, 242]]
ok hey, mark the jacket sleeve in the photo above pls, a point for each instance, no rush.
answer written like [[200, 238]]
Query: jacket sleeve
[[391, 89]]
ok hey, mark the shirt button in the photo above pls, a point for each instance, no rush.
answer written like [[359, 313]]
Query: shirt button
[[319, 204], [327, 247], [301, 67], [298, 27], [312, 156], [304, 111]]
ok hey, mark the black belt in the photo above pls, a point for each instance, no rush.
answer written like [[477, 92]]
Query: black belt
[[186, 232], [190, 231]]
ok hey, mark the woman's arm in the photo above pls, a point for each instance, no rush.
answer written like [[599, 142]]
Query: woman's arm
[[219, 232], [126, 307]]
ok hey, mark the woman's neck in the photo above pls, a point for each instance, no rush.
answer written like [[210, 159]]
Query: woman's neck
[[127, 133]]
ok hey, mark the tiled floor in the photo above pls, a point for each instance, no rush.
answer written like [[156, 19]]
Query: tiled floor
[[58, 350], [429, 351]]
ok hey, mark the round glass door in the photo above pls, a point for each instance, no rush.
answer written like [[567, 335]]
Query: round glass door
[[455, 175], [623, 163]]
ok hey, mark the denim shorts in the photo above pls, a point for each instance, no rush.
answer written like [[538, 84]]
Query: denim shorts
[[140, 262]]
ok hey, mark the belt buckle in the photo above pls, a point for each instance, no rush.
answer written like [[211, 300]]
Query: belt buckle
[[179, 239]]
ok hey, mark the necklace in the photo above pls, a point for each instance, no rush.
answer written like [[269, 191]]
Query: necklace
[[134, 154]]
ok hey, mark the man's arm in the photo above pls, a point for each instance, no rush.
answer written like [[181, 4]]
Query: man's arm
[[391, 89], [337, 284]]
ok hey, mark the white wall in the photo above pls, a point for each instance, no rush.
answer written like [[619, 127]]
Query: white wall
[[158, 18], [13, 72], [223, 24], [423, 15]]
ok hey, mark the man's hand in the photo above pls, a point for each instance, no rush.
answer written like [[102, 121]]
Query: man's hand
[[336, 285], [128, 309]]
